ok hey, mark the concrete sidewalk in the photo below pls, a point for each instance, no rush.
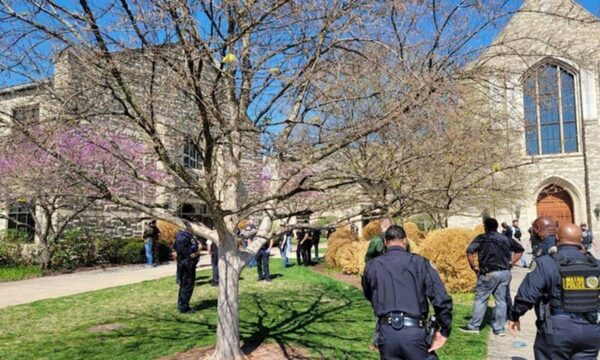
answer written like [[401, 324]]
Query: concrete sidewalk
[[501, 348], [26, 291]]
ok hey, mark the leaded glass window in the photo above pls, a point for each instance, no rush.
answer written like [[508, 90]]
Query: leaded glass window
[[550, 111]]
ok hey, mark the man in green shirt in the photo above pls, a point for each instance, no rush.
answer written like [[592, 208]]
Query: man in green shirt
[[377, 246]]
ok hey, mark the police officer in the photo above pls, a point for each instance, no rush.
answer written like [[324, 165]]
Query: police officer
[[213, 249], [543, 233], [564, 288], [398, 284], [188, 252]]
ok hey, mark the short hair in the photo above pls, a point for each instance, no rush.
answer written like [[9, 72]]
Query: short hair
[[152, 222], [583, 224], [394, 232], [515, 220], [490, 224]]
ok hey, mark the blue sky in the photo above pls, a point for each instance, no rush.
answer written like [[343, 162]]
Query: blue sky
[[591, 5], [486, 38]]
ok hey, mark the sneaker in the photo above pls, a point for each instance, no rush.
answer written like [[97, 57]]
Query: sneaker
[[500, 333], [467, 329]]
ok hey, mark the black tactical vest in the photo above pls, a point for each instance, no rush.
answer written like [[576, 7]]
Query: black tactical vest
[[579, 284]]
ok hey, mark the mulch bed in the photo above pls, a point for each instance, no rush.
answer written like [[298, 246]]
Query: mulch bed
[[353, 280], [262, 352]]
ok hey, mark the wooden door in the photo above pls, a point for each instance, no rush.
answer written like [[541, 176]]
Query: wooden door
[[556, 204]]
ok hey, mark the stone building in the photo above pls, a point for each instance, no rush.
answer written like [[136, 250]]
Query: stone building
[[545, 66], [85, 90]]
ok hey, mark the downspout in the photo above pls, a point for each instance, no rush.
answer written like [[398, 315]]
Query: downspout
[[586, 174]]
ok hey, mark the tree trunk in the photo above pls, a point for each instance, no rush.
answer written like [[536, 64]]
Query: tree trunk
[[228, 329], [45, 254]]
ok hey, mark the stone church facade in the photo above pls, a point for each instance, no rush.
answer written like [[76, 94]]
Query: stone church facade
[[546, 81]]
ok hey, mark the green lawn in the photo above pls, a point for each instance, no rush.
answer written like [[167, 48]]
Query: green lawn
[[300, 307], [19, 273]]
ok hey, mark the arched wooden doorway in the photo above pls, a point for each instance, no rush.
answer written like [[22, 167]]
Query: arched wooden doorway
[[556, 203]]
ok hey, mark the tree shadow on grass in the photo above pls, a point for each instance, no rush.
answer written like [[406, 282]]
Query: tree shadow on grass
[[316, 322]]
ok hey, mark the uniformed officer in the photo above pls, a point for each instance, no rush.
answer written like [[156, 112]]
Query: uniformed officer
[[398, 284], [564, 287], [543, 233], [188, 251]]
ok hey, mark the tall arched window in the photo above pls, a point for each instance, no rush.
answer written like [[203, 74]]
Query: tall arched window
[[550, 115]]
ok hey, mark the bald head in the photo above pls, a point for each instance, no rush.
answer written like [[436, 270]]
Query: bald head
[[569, 234], [544, 226]]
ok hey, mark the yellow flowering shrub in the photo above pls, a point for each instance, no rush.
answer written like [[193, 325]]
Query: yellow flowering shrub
[[167, 231], [415, 236], [479, 229], [340, 238], [446, 248], [351, 258], [369, 231]]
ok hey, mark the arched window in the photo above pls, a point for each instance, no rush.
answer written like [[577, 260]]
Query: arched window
[[549, 106]]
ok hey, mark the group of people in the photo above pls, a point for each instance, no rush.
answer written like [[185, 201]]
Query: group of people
[[563, 285], [187, 248]]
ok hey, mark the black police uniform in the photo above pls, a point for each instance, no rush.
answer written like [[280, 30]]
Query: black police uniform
[[398, 284], [185, 245], [543, 247], [316, 237], [306, 247], [564, 288], [300, 233], [214, 262]]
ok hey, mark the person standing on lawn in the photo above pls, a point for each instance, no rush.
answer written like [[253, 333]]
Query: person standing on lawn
[[151, 234], [564, 288], [213, 249], [377, 245], [493, 275], [285, 245], [188, 252], [316, 237], [262, 261], [305, 246], [301, 235], [398, 284]]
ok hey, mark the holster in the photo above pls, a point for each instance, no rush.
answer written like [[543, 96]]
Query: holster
[[431, 326]]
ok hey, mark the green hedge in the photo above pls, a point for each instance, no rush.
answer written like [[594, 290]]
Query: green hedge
[[11, 247]]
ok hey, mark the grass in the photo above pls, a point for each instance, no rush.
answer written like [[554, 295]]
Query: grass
[[19, 273], [300, 307]]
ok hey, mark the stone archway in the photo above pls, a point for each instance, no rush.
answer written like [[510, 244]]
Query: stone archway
[[556, 203]]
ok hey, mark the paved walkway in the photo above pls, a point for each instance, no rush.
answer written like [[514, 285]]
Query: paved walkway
[[26, 291], [501, 348]]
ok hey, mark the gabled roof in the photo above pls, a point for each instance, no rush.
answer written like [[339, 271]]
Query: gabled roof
[[562, 27]]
